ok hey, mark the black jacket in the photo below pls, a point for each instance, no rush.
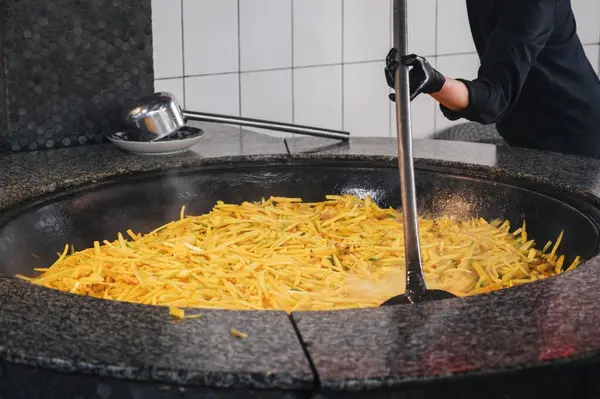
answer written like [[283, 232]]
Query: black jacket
[[535, 81]]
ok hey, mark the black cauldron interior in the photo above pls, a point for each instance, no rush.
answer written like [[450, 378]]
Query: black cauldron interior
[[31, 236]]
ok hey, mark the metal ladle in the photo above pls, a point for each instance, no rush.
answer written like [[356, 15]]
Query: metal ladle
[[416, 290], [159, 115]]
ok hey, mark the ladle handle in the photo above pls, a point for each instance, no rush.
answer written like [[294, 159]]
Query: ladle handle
[[269, 125], [415, 281]]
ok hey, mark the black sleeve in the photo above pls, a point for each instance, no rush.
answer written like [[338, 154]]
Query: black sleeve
[[524, 27]]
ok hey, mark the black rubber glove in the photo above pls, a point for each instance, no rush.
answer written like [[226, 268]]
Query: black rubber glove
[[423, 77]]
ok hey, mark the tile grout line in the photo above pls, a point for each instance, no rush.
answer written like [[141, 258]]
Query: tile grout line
[[293, 65], [391, 108], [183, 56], [342, 67], [435, 27], [435, 50], [435, 55], [239, 73], [200, 75]]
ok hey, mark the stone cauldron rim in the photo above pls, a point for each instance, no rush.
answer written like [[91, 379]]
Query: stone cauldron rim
[[342, 358]]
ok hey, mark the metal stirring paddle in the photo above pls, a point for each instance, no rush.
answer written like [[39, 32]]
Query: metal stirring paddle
[[416, 291]]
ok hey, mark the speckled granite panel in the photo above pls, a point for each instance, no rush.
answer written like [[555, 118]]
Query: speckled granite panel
[[62, 167], [566, 171], [68, 66], [525, 326], [115, 339]]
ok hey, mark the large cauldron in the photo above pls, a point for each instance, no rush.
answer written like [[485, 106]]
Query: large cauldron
[[383, 348]]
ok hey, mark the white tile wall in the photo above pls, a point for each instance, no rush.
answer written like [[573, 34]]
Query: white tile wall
[[453, 33], [318, 96], [167, 39], [421, 36], [587, 13], [315, 62], [219, 94], [265, 34], [367, 29], [366, 106], [267, 95], [210, 36], [317, 28]]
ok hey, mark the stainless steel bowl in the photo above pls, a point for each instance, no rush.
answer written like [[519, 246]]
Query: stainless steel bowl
[[157, 116]]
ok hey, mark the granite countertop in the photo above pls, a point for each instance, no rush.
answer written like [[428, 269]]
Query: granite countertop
[[551, 320]]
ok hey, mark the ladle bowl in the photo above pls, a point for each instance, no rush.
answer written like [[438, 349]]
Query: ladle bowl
[[428, 295]]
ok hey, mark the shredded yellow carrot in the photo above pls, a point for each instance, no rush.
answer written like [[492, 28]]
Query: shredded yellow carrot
[[282, 253], [176, 312], [180, 314], [238, 334]]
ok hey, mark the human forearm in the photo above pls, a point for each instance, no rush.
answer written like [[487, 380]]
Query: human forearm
[[454, 95]]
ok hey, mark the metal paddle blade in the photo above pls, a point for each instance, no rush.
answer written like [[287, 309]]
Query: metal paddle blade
[[428, 296]]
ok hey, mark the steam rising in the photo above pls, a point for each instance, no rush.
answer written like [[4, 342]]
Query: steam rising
[[391, 284]]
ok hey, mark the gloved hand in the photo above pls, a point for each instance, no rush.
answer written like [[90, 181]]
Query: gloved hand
[[423, 77]]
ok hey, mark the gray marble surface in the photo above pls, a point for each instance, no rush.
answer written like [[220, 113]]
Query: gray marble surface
[[75, 334], [546, 322]]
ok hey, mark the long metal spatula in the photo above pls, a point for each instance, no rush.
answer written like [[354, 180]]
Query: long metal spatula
[[416, 291]]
